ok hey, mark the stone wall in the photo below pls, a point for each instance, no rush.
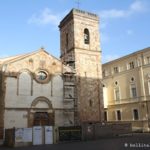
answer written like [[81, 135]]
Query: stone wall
[[87, 63]]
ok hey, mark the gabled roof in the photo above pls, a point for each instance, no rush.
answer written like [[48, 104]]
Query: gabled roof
[[21, 56], [5, 61]]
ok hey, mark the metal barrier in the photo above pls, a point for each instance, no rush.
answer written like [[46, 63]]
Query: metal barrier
[[1, 133], [72, 133], [9, 137], [93, 131]]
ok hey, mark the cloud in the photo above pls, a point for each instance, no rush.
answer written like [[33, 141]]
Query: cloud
[[45, 17], [107, 58], [136, 7]]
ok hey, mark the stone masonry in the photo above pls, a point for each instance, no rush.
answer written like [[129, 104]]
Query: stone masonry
[[86, 59]]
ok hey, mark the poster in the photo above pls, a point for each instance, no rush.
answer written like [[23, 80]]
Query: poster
[[23, 135], [27, 135], [48, 135], [37, 135], [19, 135]]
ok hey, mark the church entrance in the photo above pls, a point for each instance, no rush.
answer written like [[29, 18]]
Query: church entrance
[[41, 119], [41, 113]]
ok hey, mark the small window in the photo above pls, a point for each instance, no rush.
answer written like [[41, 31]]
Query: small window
[[149, 87], [135, 114], [41, 75], [24, 83], [132, 79], [86, 36], [117, 94], [133, 91], [67, 40], [139, 63], [90, 103], [116, 69], [148, 60], [116, 83], [104, 73], [118, 115], [131, 65], [105, 115]]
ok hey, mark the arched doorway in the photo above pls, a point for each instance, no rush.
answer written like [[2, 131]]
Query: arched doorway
[[41, 113]]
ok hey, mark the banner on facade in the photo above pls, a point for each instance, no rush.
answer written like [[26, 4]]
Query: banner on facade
[[23, 135]]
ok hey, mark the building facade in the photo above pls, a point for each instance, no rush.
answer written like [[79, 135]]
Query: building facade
[[126, 87], [39, 89], [32, 91]]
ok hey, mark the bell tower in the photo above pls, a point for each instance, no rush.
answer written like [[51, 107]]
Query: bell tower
[[80, 48]]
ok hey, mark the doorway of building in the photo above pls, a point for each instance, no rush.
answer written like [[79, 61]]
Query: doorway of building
[[41, 119]]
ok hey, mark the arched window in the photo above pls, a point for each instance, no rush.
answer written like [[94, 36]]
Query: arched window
[[25, 83], [86, 36]]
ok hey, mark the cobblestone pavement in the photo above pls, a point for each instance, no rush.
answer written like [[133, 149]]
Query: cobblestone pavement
[[136, 141]]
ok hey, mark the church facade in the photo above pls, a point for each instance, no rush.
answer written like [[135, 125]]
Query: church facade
[[39, 89]]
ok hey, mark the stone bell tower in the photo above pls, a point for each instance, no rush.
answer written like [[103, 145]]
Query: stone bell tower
[[80, 48]]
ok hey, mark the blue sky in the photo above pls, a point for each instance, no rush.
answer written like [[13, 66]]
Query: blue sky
[[26, 25]]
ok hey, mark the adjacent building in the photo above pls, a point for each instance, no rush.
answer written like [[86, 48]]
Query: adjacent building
[[126, 86]]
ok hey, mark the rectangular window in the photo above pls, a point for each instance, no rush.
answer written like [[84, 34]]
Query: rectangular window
[[116, 69], [67, 41], [105, 115], [104, 73], [118, 115], [133, 91], [131, 65], [148, 60], [135, 114], [149, 87], [117, 94]]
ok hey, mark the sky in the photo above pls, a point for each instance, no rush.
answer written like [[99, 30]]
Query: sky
[[28, 25]]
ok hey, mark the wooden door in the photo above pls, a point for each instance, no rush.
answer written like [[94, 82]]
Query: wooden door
[[41, 119]]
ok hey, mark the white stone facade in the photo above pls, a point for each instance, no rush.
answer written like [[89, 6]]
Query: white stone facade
[[24, 94]]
